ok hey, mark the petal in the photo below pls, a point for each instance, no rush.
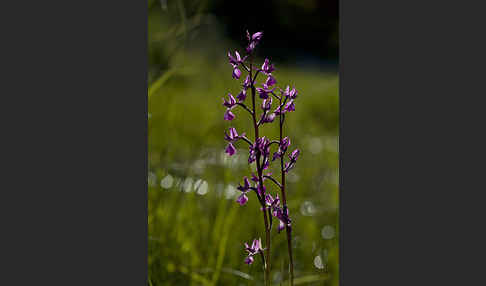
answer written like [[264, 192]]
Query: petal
[[249, 259], [255, 245], [270, 117], [241, 96], [257, 36], [232, 100], [247, 183], [242, 199], [230, 149], [233, 133], [295, 154], [236, 73]]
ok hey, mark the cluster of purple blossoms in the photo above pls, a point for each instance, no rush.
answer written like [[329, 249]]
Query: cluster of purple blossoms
[[260, 148]]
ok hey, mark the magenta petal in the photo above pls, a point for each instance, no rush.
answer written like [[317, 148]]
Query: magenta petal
[[257, 36], [241, 96], [236, 73], [249, 260], [233, 133], [281, 226], [242, 199], [230, 149]]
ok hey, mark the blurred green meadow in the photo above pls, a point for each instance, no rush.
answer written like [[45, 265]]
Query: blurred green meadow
[[196, 230]]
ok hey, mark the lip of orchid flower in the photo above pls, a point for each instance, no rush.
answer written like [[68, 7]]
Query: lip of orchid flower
[[242, 199], [249, 259], [230, 149], [236, 73]]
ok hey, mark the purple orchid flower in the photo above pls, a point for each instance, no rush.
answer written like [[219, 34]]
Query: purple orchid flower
[[267, 68], [256, 247], [290, 106], [231, 102], [236, 73], [254, 39], [270, 80], [243, 199], [241, 96], [232, 136], [235, 61], [247, 82], [283, 217], [271, 202], [264, 91], [267, 104], [294, 155], [293, 159], [269, 118], [292, 93], [282, 148]]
